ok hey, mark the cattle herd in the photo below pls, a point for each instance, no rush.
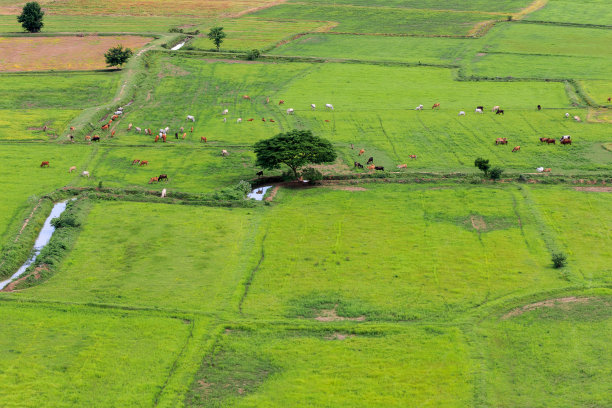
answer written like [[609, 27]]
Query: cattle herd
[[163, 134]]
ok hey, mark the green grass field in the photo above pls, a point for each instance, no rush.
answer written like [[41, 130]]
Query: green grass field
[[425, 286]]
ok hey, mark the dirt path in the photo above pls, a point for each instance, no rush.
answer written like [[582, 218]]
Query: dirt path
[[545, 303], [254, 9]]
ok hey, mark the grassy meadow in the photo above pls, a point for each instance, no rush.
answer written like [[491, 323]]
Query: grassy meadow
[[423, 286]]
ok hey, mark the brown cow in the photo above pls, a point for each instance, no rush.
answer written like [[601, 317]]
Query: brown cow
[[162, 177], [105, 127], [44, 164], [327, 120], [550, 140], [281, 102], [184, 136], [413, 156], [87, 137], [114, 117], [153, 179], [164, 137], [112, 133], [156, 138], [402, 166], [246, 97], [72, 128], [96, 138], [501, 140], [362, 151], [566, 141], [192, 129], [250, 120], [371, 167], [543, 139], [271, 120], [144, 162], [73, 168], [516, 149], [203, 139], [135, 161], [546, 170], [263, 119], [436, 105]]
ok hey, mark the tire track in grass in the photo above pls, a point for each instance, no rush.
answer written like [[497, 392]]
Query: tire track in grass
[[388, 138], [430, 143], [494, 152], [247, 284]]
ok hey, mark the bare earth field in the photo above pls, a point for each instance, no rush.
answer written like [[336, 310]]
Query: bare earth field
[[61, 53]]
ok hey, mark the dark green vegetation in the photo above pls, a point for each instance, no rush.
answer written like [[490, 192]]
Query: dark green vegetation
[[31, 17], [423, 284], [117, 56]]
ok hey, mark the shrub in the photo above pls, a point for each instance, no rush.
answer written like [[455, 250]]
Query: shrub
[[495, 173], [559, 260], [482, 164], [312, 175], [253, 54]]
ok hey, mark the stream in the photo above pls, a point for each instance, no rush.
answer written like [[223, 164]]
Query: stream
[[178, 46], [258, 193], [43, 239]]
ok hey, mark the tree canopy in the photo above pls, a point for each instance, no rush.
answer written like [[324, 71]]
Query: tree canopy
[[117, 56], [217, 35], [295, 149], [31, 18]]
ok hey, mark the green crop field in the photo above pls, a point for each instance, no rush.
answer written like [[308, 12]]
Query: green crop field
[[423, 282]]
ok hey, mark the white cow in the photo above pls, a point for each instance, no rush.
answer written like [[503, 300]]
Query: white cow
[[191, 118], [224, 120], [118, 112], [565, 137], [329, 106], [461, 113], [138, 129], [478, 110], [166, 129], [540, 169], [420, 107], [225, 112], [495, 108], [577, 118], [224, 152], [163, 194], [313, 106], [290, 111], [85, 174], [239, 120], [567, 115]]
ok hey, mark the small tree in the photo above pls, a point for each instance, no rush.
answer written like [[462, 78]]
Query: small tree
[[31, 17], [559, 260], [482, 164], [496, 173], [253, 54], [295, 149], [117, 56], [216, 35]]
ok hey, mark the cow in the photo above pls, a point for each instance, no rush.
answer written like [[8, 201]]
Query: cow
[[225, 112], [371, 167], [547, 170], [96, 138], [567, 115], [73, 168], [281, 102], [184, 135], [362, 151], [144, 163], [163, 193], [499, 112], [114, 117], [478, 110], [327, 120], [192, 129], [435, 105], [156, 138], [577, 118], [516, 149], [379, 168], [239, 120], [495, 108], [72, 128], [551, 141], [259, 173], [420, 107], [105, 127], [138, 129], [263, 119], [610, 99], [358, 165], [480, 107], [539, 107], [246, 97], [176, 135], [85, 174], [113, 133], [290, 111], [461, 113], [413, 156], [224, 120], [313, 106], [191, 118], [88, 138], [370, 160], [162, 177], [501, 140], [135, 161], [543, 139], [540, 169], [153, 179], [250, 119], [402, 166], [329, 106], [271, 120], [565, 137], [203, 139], [566, 141], [224, 152], [129, 127]]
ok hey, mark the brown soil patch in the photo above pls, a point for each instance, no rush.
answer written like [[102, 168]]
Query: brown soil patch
[[481, 54], [479, 29], [595, 189], [560, 302], [255, 9], [601, 115], [331, 315], [338, 336], [478, 223], [61, 53], [36, 273], [348, 188], [338, 167]]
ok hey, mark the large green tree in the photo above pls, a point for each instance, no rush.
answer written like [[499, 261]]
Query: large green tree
[[31, 17], [295, 149], [217, 35], [117, 56]]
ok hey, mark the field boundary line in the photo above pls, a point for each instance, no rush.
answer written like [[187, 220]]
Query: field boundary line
[[247, 284], [563, 24]]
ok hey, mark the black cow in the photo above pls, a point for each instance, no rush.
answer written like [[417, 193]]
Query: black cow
[[379, 168], [539, 107], [162, 177], [370, 160], [480, 107], [499, 112], [259, 173], [95, 139]]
